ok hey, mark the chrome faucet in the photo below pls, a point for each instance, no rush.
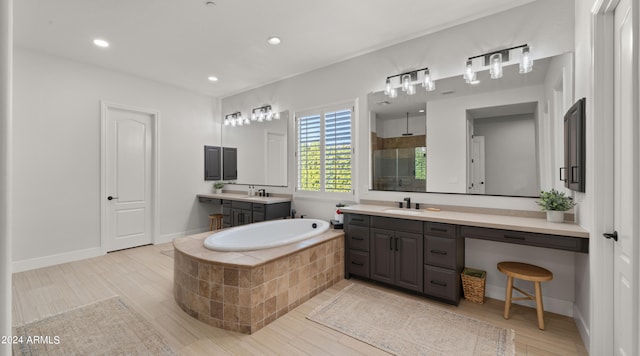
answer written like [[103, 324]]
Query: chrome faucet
[[408, 200]]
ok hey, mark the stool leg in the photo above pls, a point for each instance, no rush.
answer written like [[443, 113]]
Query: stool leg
[[507, 299], [211, 225], [539, 307]]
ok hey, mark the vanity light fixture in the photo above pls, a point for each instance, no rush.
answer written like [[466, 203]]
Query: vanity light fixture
[[494, 60], [264, 113], [406, 82], [235, 119]]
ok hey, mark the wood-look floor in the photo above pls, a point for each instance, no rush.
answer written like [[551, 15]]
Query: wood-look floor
[[143, 278]]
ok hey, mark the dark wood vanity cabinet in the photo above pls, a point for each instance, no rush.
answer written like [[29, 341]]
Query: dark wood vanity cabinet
[[236, 213], [443, 261], [396, 258], [356, 233], [229, 163]]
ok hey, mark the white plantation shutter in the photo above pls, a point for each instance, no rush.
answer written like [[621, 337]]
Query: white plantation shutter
[[309, 153], [337, 172], [324, 150]]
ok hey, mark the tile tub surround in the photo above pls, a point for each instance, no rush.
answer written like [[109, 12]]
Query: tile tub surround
[[244, 291]]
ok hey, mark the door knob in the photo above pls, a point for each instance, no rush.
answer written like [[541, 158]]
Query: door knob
[[111, 198], [613, 235]]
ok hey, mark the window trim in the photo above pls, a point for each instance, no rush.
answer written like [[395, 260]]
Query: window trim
[[322, 110]]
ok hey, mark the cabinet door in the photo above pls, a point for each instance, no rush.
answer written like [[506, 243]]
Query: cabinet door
[[241, 217], [382, 253], [408, 260], [229, 163], [212, 163]]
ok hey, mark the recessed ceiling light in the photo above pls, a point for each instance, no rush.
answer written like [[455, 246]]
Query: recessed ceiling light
[[421, 110], [210, 3], [213, 78], [101, 43], [274, 40]]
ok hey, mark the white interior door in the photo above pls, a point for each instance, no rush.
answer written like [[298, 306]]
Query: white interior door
[[477, 183], [128, 177], [626, 184]]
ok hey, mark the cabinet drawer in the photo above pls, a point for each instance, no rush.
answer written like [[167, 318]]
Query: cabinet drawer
[[440, 251], [357, 219], [394, 224], [209, 200], [568, 243], [241, 205], [358, 263], [441, 283], [358, 238], [439, 229], [258, 207], [258, 216], [226, 203]]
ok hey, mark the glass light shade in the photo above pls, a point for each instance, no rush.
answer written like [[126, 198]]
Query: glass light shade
[[411, 89], [387, 87], [247, 121], [469, 74], [427, 82], [253, 116], [226, 122], [526, 62], [406, 82], [495, 65], [276, 115], [394, 93]]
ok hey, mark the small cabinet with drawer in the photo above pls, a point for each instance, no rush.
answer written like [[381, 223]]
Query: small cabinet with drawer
[[443, 261], [357, 245]]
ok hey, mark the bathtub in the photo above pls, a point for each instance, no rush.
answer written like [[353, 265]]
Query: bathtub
[[266, 234]]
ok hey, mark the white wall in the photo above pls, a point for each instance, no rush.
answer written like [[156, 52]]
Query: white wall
[[56, 214], [6, 49], [447, 134], [510, 154], [396, 127]]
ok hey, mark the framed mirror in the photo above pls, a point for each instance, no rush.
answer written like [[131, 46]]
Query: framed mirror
[[497, 137], [261, 151]]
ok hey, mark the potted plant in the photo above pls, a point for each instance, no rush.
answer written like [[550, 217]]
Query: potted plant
[[218, 187], [555, 203]]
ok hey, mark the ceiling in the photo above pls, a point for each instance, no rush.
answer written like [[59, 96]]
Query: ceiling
[[182, 42]]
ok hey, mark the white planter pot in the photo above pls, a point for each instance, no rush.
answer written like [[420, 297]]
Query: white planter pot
[[555, 216], [218, 191]]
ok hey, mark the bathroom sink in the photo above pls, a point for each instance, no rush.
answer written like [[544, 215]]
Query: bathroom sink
[[403, 211]]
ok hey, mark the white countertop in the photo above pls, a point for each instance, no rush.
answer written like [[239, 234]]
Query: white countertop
[[504, 222], [244, 197]]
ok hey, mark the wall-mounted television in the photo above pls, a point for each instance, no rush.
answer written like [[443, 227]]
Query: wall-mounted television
[[574, 147]]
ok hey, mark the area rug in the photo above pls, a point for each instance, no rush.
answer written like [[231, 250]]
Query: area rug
[[108, 327], [404, 326]]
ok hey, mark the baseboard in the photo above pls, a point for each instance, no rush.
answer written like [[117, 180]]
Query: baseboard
[[554, 305], [52, 260], [582, 326], [170, 237]]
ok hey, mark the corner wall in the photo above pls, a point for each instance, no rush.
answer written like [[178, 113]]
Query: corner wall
[[56, 155]]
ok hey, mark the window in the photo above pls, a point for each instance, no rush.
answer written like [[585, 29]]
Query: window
[[324, 150]]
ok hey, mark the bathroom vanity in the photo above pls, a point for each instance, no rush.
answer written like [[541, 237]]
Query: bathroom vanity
[[241, 209], [424, 251]]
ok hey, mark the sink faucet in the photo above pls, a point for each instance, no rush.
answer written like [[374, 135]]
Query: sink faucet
[[408, 200], [262, 192]]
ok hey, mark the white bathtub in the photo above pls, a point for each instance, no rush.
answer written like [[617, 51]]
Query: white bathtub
[[266, 234]]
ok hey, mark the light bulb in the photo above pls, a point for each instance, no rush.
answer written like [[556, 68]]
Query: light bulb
[[495, 65], [276, 115], [387, 87], [394, 93], [526, 62], [411, 89], [226, 122], [427, 82], [469, 74], [406, 82], [253, 116]]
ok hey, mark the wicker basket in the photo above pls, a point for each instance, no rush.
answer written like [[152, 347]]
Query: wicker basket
[[473, 283]]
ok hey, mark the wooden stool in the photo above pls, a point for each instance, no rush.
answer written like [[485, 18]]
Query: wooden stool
[[215, 219], [525, 272]]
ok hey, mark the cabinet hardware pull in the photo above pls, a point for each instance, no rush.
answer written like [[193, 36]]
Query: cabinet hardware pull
[[439, 283], [439, 252], [357, 264], [438, 229], [357, 219], [391, 243], [514, 237], [565, 178], [397, 239], [357, 238]]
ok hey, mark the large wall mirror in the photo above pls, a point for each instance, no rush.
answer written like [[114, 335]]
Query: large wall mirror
[[262, 151], [496, 137]]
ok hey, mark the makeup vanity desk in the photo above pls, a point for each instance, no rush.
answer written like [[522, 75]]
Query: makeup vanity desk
[[423, 251]]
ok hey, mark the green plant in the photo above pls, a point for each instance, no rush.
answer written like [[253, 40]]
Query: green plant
[[555, 200], [218, 185]]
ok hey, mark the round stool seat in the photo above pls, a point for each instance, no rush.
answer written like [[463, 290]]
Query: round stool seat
[[525, 271]]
